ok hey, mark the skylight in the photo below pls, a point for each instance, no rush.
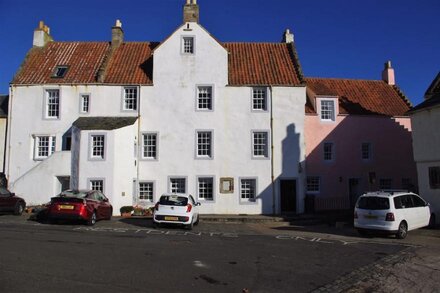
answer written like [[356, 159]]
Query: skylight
[[60, 71]]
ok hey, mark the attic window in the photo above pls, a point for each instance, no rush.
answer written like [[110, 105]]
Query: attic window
[[60, 71]]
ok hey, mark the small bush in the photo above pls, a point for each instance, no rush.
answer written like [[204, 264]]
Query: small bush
[[126, 209]]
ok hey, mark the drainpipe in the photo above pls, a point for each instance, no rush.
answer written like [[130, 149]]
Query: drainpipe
[[271, 154], [138, 144]]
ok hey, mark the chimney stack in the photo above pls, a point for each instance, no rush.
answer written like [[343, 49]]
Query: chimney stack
[[191, 11], [117, 34], [388, 74], [42, 35], [288, 37]]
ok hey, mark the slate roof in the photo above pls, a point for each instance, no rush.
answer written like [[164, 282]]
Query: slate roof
[[132, 63], [359, 97], [103, 123], [432, 96]]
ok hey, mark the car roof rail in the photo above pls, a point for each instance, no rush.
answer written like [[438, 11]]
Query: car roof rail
[[392, 191]]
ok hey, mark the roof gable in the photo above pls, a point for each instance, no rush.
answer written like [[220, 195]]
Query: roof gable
[[361, 97]]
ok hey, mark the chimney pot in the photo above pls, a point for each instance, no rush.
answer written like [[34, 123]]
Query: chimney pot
[[388, 74], [117, 34], [41, 35]]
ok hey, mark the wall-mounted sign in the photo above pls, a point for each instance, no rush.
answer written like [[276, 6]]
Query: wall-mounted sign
[[226, 185]]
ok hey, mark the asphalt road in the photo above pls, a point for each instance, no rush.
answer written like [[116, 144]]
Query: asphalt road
[[120, 256]]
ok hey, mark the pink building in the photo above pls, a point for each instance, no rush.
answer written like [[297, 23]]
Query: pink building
[[358, 138]]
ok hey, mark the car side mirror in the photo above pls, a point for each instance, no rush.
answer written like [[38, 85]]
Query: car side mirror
[[105, 200], [198, 204]]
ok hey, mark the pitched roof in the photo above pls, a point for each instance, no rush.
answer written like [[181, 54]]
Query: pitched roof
[[361, 97], [82, 58], [262, 64], [432, 96], [434, 88], [132, 63], [103, 123]]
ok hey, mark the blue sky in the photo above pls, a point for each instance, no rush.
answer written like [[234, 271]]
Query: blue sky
[[338, 38]]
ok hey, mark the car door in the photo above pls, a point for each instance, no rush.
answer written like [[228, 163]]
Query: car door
[[7, 201], [195, 207], [421, 211], [104, 207]]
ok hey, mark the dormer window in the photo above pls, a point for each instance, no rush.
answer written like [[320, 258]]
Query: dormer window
[[60, 71], [327, 109], [188, 45]]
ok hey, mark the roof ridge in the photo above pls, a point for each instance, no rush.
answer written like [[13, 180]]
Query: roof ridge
[[348, 79], [403, 96]]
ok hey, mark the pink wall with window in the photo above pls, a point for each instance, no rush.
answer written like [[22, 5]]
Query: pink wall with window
[[347, 175]]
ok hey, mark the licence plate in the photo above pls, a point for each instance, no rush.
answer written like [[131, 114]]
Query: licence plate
[[65, 207], [171, 219], [370, 217]]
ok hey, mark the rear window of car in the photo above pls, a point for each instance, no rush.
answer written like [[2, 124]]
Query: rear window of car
[[373, 203], [78, 194], [173, 200]]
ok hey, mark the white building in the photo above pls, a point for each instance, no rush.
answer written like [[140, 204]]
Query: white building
[[221, 121], [425, 119]]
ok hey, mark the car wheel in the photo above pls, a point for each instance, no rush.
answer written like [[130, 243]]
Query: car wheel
[[110, 216], [190, 226], [432, 221], [19, 208], [155, 225], [403, 230], [197, 222], [92, 219]]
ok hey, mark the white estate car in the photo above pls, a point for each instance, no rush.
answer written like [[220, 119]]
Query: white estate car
[[176, 209], [393, 212]]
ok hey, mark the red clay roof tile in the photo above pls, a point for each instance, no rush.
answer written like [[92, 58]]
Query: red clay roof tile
[[362, 97]]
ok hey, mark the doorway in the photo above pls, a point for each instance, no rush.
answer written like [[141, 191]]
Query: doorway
[[288, 195], [354, 190], [64, 183]]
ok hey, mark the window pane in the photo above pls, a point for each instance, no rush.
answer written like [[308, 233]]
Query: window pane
[[434, 177], [97, 185], [130, 98], [248, 189], [52, 103], [150, 146], [205, 188], [146, 191], [328, 151], [313, 184], [259, 101], [204, 143], [188, 45], [260, 142], [385, 183], [44, 146], [327, 110], [98, 146], [366, 151], [204, 99], [85, 99], [178, 185]]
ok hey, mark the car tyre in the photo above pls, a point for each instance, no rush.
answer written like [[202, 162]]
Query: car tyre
[[362, 232], [197, 222], [92, 220], [19, 208], [402, 231], [432, 221], [155, 225], [110, 215], [190, 226]]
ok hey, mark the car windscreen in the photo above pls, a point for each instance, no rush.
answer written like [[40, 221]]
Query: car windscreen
[[373, 203], [77, 194], [173, 200]]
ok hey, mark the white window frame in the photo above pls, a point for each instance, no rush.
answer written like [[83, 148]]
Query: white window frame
[[92, 147], [153, 189], [246, 200], [199, 192], [325, 152], [145, 148], [185, 49], [52, 108], [256, 148], [323, 112], [210, 151], [51, 146], [82, 103], [256, 99], [172, 189], [90, 182], [314, 181], [125, 99], [199, 89], [369, 151]]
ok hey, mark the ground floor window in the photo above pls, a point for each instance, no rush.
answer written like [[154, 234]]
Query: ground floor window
[[313, 184], [44, 146], [146, 191], [434, 177], [177, 185], [248, 189], [205, 188], [385, 183], [96, 184]]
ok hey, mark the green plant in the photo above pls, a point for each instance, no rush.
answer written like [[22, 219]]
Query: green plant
[[126, 209]]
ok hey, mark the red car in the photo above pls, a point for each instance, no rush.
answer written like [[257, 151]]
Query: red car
[[85, 205], [9, 202]]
